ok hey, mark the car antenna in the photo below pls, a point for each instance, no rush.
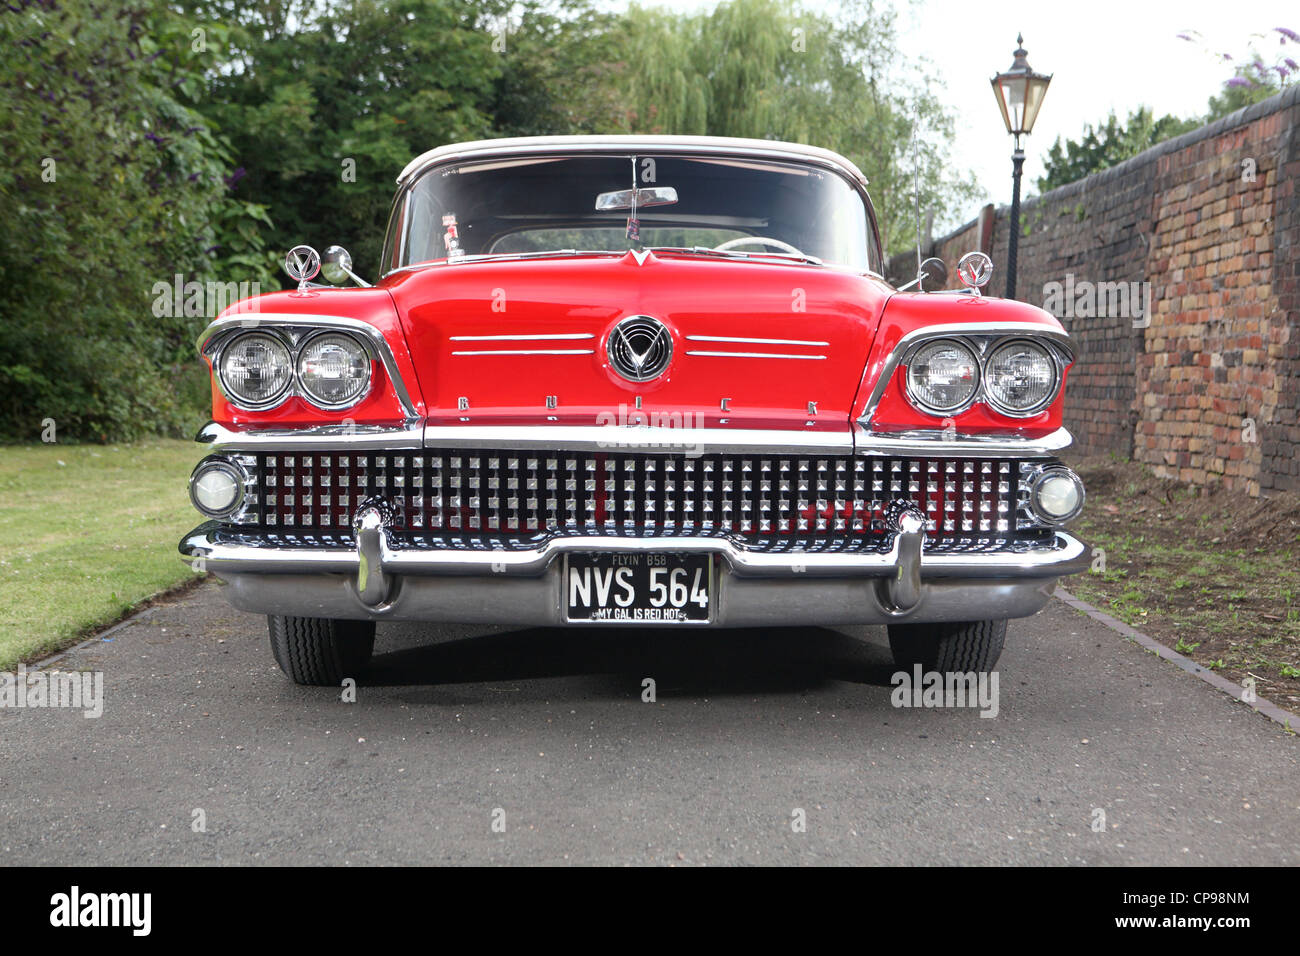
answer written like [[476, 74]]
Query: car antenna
[[633, 224], [916, 188]]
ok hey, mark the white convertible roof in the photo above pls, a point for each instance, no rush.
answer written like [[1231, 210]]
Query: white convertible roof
[[718, 145]]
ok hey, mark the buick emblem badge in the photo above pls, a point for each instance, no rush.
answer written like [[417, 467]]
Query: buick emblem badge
[[639, 348]]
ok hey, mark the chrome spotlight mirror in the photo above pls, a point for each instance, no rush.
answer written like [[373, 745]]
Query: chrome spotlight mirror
[[336, 267], [933, 273]]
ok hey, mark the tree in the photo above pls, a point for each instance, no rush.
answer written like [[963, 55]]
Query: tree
[[1101, 147], [1255, 77], [112, 184], [380, 81], [773, 69], [328, 102]]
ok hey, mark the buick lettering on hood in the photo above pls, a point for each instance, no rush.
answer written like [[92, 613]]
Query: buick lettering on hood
[[634, 381]]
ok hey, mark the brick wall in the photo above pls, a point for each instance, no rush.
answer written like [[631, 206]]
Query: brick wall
[[1204, 230]]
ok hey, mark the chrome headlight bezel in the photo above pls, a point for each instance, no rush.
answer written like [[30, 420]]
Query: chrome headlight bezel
[[930, 409], [1053, 360], [294, 338], [231, 393], [984, 343], [305, 343]]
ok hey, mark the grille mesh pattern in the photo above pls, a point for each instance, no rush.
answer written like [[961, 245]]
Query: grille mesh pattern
[[523, 493]]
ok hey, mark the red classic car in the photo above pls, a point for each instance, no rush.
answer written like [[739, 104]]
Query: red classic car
[[633, 381]]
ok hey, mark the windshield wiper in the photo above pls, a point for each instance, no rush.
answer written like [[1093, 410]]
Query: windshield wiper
[[498, 256]]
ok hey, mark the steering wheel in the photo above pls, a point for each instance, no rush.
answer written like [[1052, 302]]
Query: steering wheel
[[764, 240]]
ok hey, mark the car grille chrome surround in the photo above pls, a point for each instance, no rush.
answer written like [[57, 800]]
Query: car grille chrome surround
[[770, 501]]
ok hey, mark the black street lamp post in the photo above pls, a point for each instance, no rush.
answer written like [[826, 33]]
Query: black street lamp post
[[1020, 93]]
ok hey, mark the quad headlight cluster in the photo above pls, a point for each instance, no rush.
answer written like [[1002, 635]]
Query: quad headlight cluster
[[1016, 376], [260, 369]]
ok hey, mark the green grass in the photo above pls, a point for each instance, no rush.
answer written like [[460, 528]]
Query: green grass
[[86, 533]]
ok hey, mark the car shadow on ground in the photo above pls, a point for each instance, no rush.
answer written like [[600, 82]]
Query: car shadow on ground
[[681, 660]]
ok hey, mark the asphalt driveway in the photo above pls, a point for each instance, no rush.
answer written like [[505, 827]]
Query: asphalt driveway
[[545, 734]]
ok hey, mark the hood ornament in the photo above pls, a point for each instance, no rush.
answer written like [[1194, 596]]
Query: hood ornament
[[302, 263], [639, 348], [974, 270]]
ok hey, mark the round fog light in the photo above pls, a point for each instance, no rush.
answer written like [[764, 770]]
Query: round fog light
[[217, 488], [1058, 496]]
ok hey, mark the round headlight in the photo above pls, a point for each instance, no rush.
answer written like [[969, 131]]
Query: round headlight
[[333, 369], [217, 487], [942, 377], [255, 369], [1020, 378]]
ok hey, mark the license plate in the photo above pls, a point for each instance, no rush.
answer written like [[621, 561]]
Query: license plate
[[639, 588]]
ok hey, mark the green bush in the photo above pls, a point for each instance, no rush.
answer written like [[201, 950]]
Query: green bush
[[112, 183]]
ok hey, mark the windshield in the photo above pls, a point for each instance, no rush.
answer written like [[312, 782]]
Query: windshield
[[591, 203]]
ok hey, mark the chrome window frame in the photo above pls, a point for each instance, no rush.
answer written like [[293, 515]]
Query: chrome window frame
[[410, 176]]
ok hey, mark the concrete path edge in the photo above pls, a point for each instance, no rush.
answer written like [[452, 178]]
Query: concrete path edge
[[1288, 720]]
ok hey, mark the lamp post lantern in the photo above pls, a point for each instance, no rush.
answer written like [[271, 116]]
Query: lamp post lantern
[[1020, 93]]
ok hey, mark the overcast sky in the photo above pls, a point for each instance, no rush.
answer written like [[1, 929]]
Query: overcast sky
[[1116, 55], [1103, 54]]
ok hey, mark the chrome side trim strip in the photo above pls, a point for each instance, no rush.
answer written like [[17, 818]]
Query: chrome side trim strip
[[1068, 556], [646, 438], [733, 338], [316, 438], [775, 355], [934, 443], [521, 338], [526, 352], [245, 321]]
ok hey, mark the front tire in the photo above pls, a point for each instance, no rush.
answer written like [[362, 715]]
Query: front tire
[[948, 647], [319, 651]]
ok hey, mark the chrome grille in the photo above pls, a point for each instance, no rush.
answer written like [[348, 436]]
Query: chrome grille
[[505, 493]]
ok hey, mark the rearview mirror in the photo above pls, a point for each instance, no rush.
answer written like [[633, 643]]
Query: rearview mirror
[[645, 196]]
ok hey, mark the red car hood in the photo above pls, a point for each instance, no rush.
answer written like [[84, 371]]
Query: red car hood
[[500, 341]]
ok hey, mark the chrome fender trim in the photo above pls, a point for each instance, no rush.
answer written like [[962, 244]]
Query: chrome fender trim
[[927, 443], [412, 435]]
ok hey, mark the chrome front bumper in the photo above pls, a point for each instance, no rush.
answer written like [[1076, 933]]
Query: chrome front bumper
[[375, 580]]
